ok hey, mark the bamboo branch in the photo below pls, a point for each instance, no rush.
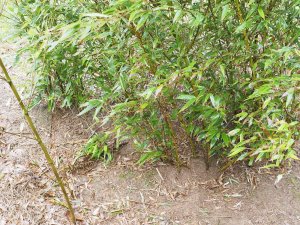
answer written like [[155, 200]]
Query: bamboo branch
[[246, 37], [241, 19], [39, 140]]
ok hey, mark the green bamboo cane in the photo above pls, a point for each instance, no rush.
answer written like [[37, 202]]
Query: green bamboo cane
[[39, 140]]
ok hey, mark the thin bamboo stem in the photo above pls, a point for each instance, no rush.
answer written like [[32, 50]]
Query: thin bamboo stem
[[241, 19], [39, 140], [185, 127], [246, 37]]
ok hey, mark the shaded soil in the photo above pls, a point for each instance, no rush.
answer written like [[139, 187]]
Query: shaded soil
[[122, 192]]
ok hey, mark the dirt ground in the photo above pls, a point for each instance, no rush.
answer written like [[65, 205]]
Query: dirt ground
[[122, 192]]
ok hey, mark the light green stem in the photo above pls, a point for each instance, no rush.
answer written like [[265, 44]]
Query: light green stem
[[39, 140]]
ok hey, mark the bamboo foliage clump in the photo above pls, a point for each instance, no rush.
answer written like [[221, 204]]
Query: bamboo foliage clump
[[217, 76]]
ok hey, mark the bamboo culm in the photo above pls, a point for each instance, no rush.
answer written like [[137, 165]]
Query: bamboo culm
[[39, 140]]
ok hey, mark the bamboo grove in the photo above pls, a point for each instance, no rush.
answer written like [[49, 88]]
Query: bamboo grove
[[176, 77]]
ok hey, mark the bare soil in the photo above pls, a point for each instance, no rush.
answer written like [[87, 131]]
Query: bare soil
[[122, 192]]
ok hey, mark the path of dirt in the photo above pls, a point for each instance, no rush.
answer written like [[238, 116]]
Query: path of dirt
[[123, 193]]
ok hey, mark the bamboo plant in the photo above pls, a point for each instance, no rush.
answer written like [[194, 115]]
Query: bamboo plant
[[217, 76]]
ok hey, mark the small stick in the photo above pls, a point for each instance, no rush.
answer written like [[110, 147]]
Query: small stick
[[218, 216], [17, 134], [143, 203], [161, 177]]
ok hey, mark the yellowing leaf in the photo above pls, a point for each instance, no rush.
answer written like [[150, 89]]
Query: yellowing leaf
[[233, 132], [143, 106], [158, 90]]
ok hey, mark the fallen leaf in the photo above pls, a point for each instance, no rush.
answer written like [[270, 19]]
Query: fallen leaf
[[2, 176], [49, 194], [78, 216], [278, 179]]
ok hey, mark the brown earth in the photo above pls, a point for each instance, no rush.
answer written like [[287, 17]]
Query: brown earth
[[122, 192]]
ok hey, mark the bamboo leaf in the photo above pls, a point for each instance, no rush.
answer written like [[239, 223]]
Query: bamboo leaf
[[234, 132], [226, 139], [186, 97], [261, 12], [241, 27], [188, 104], [225, 12], [142, 21], [236, 151], [99, 15]]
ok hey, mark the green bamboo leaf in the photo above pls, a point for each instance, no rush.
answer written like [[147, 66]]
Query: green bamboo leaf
[[242, 115], [290, 95], [215, 101], [99, 15], [188, 104], [87, 109], [292, 155], [261, 12], [266, 102], [122, 82], [241, 27], [135, 14], [290, 143], [198, 20], [222, 68], [225, 12], [226, 139], [144, 105], [142, 21], [186, 97], [262, 90], [243, 156], [236, 151], [148, 156], [177, 16]]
